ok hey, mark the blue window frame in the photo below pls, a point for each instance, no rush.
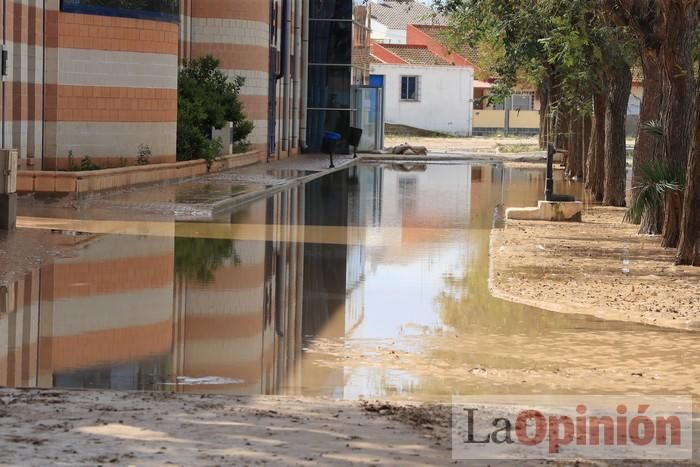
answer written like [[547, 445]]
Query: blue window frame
[[158, 10]]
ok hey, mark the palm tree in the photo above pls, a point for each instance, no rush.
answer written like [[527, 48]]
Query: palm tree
[[661, 187]]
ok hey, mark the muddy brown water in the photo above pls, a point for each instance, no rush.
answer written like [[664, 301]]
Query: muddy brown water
[[368, 282]]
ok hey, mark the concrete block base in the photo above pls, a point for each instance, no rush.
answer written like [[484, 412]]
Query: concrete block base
[[8, 211], [548, 211]]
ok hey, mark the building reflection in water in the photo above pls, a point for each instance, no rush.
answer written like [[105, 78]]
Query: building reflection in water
[[194, 314], [390, 249]]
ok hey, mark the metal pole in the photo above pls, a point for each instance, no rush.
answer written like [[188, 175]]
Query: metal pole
[[549, 181], [296, 84], [286, 30], [304, 76]]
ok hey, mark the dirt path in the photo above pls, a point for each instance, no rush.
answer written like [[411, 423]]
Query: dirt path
[[93, 427], [599, 267]]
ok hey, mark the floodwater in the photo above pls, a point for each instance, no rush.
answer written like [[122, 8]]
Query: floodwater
[[371, 281]]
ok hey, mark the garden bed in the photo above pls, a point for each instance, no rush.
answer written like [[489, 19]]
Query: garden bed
[[67, 182]]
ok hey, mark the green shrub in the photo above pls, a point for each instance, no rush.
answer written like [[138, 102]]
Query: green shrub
[[86, 164], [207, 99]]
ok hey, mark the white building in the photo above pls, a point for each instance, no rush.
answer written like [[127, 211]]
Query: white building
[[390, 18], [423, 91]]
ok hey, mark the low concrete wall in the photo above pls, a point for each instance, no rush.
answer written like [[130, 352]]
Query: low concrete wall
[[29, 181]]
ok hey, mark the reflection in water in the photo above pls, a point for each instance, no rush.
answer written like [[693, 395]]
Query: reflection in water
[[198, 258], [372, 280]]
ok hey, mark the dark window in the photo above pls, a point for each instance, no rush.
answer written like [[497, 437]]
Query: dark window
[[163, 10], [338, 59], [331, 86], [331, 42], [330, 9], [409, 88]]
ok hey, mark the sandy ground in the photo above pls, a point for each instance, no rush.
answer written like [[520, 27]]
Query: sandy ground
[[101, 428], [92, 428], [600, 267]]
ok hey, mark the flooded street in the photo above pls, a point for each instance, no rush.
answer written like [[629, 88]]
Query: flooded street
[[371, 281]]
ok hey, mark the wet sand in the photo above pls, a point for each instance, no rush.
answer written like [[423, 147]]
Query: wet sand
[[600, 267]]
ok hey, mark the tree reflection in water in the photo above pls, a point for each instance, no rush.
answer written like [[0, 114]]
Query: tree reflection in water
[[199, 258]]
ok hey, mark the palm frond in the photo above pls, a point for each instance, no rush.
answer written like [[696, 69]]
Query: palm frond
[[653, 127], [657, 179]]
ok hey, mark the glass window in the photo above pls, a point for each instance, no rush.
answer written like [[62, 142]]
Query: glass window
[[164, 10], [409, 88], [330, 42], [329, 86], [330, 9]]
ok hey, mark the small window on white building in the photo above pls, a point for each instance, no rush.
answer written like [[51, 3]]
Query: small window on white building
[[409, 88]]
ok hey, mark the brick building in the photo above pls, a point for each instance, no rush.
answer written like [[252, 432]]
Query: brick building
[[98, 78]]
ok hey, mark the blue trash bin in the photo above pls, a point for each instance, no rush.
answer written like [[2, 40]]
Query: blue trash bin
[[331, 138]]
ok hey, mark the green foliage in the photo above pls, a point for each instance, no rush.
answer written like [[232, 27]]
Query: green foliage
[[562, 47], [207, 99], [86, 164], [653, 127], [199, 258], [658, 179]]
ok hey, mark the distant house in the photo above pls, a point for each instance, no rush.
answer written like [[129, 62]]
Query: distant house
[[518, 115], [423, 90], [635, 102], [391, 17]]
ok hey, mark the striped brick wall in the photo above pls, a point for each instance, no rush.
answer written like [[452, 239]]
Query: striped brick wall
[[21, 94], [100, 86], [88, 85], [238, 35], [111, 85]]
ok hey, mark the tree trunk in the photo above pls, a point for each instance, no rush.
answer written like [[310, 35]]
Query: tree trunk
[[678, 110], [677, 113], [672, 218], [562, 129], [689, 244], [573, 168], [596, 150], [585, 143], [649, 148], [543, 95], [619, 87]]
